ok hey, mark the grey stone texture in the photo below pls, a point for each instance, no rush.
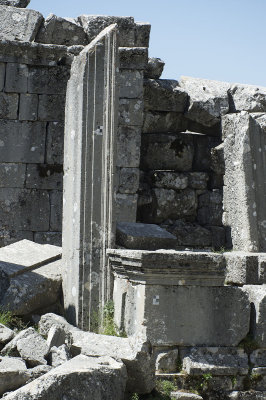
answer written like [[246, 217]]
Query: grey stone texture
[[48, 237], [8, 105], [13, 374], [248, 395], [51, 107], [128, 146], [164, 95], [15, 3], [154, 68], [56, 337], [2, 75], [128, 180], [189, 233], [12, 175], [44, 176], [217, 159], [6, 334], [131, 84], [33, 349], [59, 355], [55, 143], [28, 107], [210, 208], [48, 80], [11, 347], [142, 34], [185, 396], [248, 98], [242, 268], [62, 31], [143, 236], [16, 78], [85, 377], [166, 361], [130, 112], [19, 24], [163, 122], [56, 200], [133, 58], [126, 207]]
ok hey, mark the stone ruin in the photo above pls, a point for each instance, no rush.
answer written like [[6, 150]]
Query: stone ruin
[[163, 212]]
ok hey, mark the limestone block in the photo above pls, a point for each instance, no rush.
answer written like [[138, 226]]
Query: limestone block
[[51, 107], [128, 180], [217, 159], [56, 337], [173, 152], [33, 349], [242, 268], [22, 142], [85, 377], [11, 347], [258, 358], [8, 237], [55, 143], [54, 238], [2, 75], [248, 98], [128, 146], [216, 361], [185, 396], [56, 200], [154, 68], [133, 57], [218, 234], [16, 78], [49, 320], [247, 395], [28, 107], [25, 255], [173, 204], [257, 298], [198, 180], [19, 24], [48, 80], [202, 156], [164, 95], [94, 24], [168, 180], [6, 334], [34, 290], [210, 208], [130, 112], [44, 176], [12, 175], [142, 34], [130, 84], [190, 234], [13, 374], [36, 372], [59, 355], [24, 209], [167, 361], [8, 106], [15, 3], [208, 100], [61, 31], [126, 207], [163, 122], [143, 236]]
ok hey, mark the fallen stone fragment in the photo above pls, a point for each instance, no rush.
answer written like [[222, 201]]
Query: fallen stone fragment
[[15, 3], [6, 334], [81, 378], [249, 395], [242, 268], [11, 347], [164, 95], [59, 355], [154, 68], [36, 372], [62, 31], [13, 374], [49, 320], [56, 337], [166, 362], [185, 396], [208, 100], [33, 349], [188, 233], [19, 24], [143, 236], [248, 98]]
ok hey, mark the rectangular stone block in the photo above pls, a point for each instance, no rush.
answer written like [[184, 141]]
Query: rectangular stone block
[[51, 107], [142, 34], [163, 122], [19, 24], [128, 180], [8, 106], [128, 146], [131, 84], [55, 143], [12, 175], [133, 57], [242, 268], [126, 207], [2, 75], [8, 237], [28, 107], [16, 78], [22, 141], [45, 80], [44, 176], [24, 209], [54, 238], [210, 208], [56, 202], [130, 112]]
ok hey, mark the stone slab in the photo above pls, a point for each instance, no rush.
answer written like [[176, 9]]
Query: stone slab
[[130, 112], [242, 268], [48, 80], [130, 84], [15, 3], [51, 107], [12, 175], [142, 34], [13, 374], [128, 180], [44, 176], [33, 349], [164, 95], [28, 107], [164, 122], [19, 24], [6, 335], [16, 77], [126, 207], [143, 236], [128, 146], [133, 57], [9, 105], [189, 233], [185, 396], [248, 98], [55, 143]]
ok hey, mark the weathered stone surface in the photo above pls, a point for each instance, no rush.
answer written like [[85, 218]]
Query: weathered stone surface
[[163, 122], [59, 355], [143, 236], [126, 207], [36, 372], [48, 80], [164, 95], [128, 180], [94, 24], [154, 68], [133, 352], [56, 337], [248, 98], [133, 57], [56, 200], [208, 100], [15, 3], [142, 34], [22, 141], [13, 374], [8, 237], [85, 377], [26, 255], [33, 349], [217, 159], [2, 75], [55, 143], [169, 180], [210, 208], [173, 152], [44, 176], [128, 146], [130, 112], [28, 107], [16, 78], [12, 175], [185, 396], [189, 234], [248, 395], [11, 347], [258, 358], [130, 84], [242, 268], [48, 237], [61, 31], [6, 334], [216, 361], [173, 204], [49, 320], [167, 361], [18, 24], [203, 145], [34, 290], [51, 107], [8, 106], [257, 297]]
